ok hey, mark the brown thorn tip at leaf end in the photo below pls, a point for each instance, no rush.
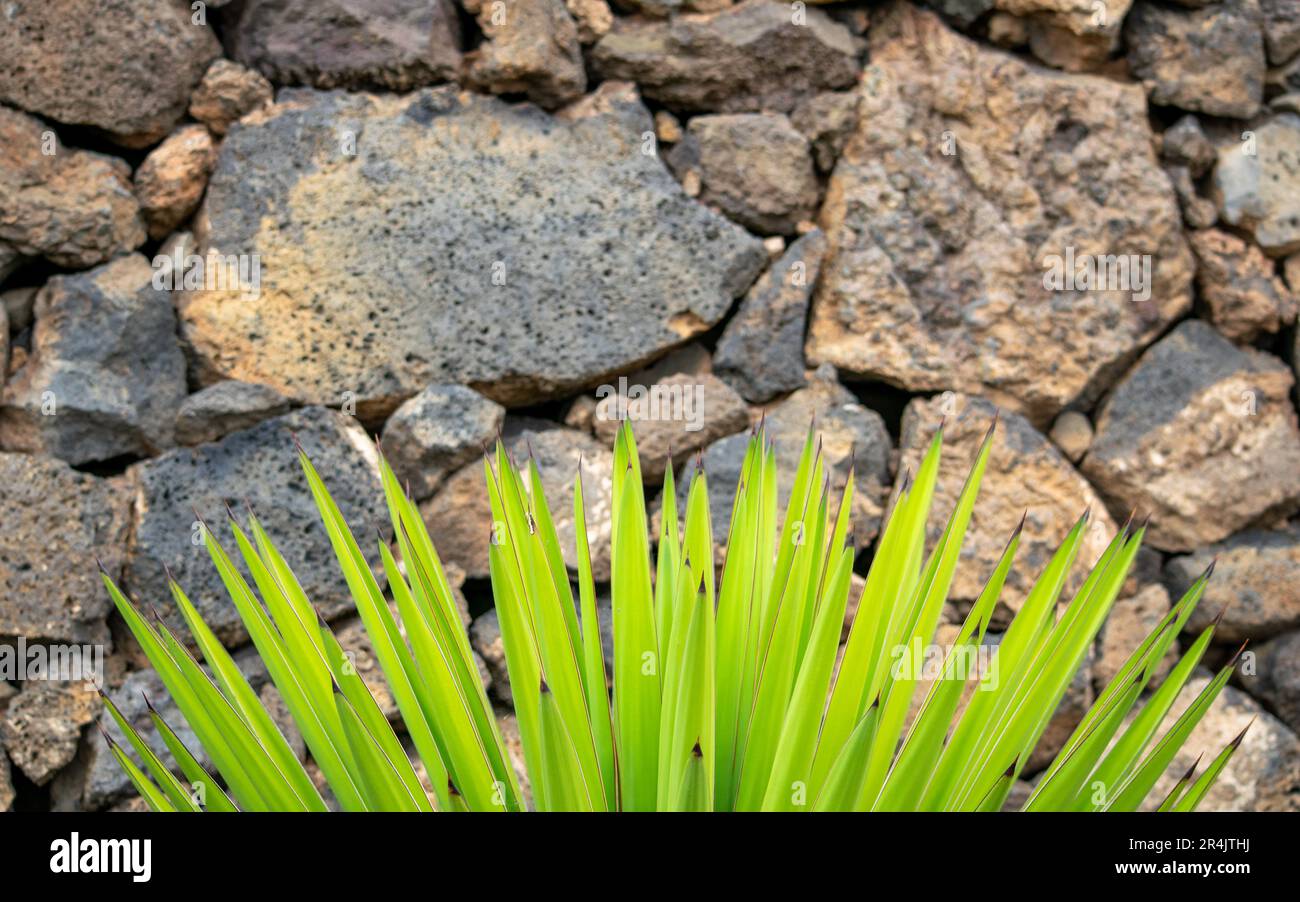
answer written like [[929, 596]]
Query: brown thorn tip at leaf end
[[230, 514], [543, 687], [107, 738], [697, 751], [296, 443], [1242, 735], [147, 703], [1218, 618], [100, 565], [1237, 656], [1011, 771], [451, 788], [1209, 571], [1192, 770], [1020, 527]]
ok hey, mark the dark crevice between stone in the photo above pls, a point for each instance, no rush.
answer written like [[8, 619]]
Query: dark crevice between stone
[[886, 400], [114, 466], [27, 795]]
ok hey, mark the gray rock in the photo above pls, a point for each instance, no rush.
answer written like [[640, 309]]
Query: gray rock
[[760, 352], [55, 521], [487, 279], [1281, 29], [530, 47], [754, 167], [437, 432], [19, 304], [1185, 143], [1256, 584], [393, 44], [105, 376], [1263, 775], [1276, 680], [258, 465], [1026, 477], [42, 726], [1202, 436], [460, 519], [227, 93], [1208, 60], [1257, 184], [748, 57], [226, 407], [850, 434], [124, 66], [73, 207], [10, 261], [946, 223], [485, 637], [827, 120], [1198, 212]]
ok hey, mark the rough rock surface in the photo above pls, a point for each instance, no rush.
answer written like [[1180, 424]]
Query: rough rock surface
[[106, 374], [827, 120], [1186, 144], [1257, 184], [1202, 436], [6, 784], [674, 416], [851, 435], [73, 207], [1026, 476], [170, 181], [1130, 621], [485, 281], [1281, 29], [1068, 34], [593, 18], [460, 519], [530, 47], [56, 521], [760, 353], [227, 93], [1256, 584], [938, 263], [1263, 775], [1198, 212], [438, 431], [1276, 679], [391, 44], [1245, 296], [260, 466], [226, 407], [748, 57], [124, 66], [42, 726], [754, 167], [1209, 60]]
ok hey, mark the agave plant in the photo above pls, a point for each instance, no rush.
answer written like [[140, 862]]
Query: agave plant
[[728, 692]]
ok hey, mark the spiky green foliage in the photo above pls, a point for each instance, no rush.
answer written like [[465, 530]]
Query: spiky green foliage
[[725, 692]]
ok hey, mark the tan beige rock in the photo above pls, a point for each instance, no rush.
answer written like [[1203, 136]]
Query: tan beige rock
[[1026, 476], [1245, 295], [73, 207], [1200, 435], [124, 66], [1072, 433], [530, 47], [42, 726], [227, 93], [593, 18], [170, 181], [973, 178]]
